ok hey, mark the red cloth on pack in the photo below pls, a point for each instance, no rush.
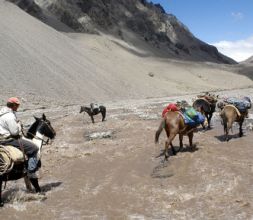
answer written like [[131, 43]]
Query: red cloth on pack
[[171, 107]]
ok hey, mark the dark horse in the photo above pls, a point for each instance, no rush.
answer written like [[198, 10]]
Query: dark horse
[[40, 128], [101, 109], [229, 115], [173, 123], [206, 105]]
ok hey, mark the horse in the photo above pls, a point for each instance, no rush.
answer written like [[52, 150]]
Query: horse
[[38, 130], [206, 105], [230, 114], [101, 109], [173, 123]]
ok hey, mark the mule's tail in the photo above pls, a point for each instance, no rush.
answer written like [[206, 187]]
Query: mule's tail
[[224, 122], [159, 130]]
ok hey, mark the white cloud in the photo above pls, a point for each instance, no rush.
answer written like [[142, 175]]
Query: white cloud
[[238, 50], [237, 15]]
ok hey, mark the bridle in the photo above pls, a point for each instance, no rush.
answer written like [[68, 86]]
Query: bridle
[[44, 142]]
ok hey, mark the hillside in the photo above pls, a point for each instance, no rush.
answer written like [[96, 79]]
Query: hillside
[[47, 65], [129, 20]]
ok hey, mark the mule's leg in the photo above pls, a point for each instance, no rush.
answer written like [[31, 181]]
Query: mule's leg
[[166, 154], [28, 183], [181, 145], [1, 202], [92, 119], [203, 125], [174, 152], [240, 128], [226, 131], [103, 114], [229, 126], [35, 184], [190, 136], [168, 142], [209, 116]]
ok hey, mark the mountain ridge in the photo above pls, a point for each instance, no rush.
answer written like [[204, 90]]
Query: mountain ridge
[[149, 22]]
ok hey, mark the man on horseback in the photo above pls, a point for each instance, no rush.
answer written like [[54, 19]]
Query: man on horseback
[[10, 134]]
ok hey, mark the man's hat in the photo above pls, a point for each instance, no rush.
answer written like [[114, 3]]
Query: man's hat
[[14, 100]]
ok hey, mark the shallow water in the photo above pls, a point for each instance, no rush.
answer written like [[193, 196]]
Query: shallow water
[[121, 177]]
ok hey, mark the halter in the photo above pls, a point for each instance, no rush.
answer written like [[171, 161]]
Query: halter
[[38, 138], [44, 142]]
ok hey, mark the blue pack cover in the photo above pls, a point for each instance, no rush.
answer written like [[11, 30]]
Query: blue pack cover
[[241, 104], [197, 120], [201, 118]]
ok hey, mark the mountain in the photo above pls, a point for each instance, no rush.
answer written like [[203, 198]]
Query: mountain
[[131, 20], [41, 63], [249, 60]]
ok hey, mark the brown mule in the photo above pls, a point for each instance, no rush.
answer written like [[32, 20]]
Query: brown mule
[[173, 123], [229, 115], [206, 104]]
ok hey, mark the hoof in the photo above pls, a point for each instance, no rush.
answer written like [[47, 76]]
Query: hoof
[[41, 193], [1, 204], [174, 152]]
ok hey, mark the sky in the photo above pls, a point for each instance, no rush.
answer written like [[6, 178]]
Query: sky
[[226, 24]]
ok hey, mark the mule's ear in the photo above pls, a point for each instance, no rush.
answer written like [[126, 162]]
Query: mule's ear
[[36, 119], [44, 117]]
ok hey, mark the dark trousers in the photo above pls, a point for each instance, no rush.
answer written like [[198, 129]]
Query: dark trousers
[[29, 148]]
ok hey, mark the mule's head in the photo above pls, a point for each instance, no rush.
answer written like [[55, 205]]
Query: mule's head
[[248, 100], [42, 125], [81, 109], [220, 105], [85, 109]]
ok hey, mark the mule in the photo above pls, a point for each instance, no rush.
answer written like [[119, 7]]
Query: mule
[[38, 130], [206, 105], [229, 115], [173, 124], [101, 109]]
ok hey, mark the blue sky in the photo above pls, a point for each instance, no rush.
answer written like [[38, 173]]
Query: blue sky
[[226, 24]]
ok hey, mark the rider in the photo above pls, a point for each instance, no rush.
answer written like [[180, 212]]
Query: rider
[[10, 134]]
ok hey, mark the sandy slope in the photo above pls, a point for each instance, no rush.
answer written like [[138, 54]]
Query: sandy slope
[[47, 65]]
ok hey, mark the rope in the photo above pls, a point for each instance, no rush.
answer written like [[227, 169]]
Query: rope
[[6, 163]]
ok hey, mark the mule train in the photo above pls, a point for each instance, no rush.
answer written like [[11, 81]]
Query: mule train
[[233, 110], [174, 119], [182, 121], [13, 163]]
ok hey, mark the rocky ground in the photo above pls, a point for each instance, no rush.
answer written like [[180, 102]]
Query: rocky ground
[[111, 169]]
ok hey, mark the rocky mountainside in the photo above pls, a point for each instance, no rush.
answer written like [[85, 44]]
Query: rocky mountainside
[[42, 64], [128, 20]]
